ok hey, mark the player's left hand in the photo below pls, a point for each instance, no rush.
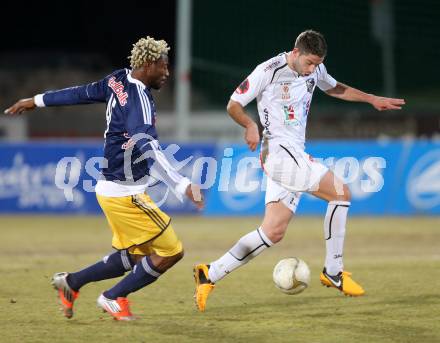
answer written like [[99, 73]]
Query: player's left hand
[[194, 193], [382, 104], [21, 106], [251, 136]]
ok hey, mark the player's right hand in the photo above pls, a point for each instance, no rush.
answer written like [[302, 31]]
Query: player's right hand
[[194, 193], [251, 136], [381, 103], [21, 106]]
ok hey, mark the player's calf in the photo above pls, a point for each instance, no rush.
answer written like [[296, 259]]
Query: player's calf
[[275, 232], [111, 266]]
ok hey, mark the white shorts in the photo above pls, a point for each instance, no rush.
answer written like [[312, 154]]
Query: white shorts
[[292, 168], [275, 193]]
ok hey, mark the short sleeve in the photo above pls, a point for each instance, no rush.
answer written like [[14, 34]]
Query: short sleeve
[[251, 87], [325, 80]]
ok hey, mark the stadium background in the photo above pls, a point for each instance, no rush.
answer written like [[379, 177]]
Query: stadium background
[[385, 47]]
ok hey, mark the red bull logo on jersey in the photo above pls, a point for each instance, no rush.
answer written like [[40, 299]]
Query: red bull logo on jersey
[[118, 88]]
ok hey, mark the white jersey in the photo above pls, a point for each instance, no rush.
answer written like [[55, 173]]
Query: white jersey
[[283, 98]]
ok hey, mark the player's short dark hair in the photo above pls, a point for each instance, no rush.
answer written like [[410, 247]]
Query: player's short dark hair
[[311, 42]]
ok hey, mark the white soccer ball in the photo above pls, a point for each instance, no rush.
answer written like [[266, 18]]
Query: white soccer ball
[[291, 275]]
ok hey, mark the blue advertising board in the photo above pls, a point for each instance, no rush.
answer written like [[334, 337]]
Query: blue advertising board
[[385, 178], [29, 182]]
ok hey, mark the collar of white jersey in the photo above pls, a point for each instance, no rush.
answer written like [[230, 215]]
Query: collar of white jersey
[[133, 80]]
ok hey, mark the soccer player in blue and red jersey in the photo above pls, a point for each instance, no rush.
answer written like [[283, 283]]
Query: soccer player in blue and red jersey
[[146, 244]]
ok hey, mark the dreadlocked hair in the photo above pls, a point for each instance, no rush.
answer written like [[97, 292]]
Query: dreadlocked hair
[[147, 50]]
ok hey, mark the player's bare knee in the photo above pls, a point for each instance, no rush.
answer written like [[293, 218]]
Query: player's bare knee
[[179, 256], [172, 260], [276, 231], [343, 194], [346, 196], [276, 237], [135, 258]]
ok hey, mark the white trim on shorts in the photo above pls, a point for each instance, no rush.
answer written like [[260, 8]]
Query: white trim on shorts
[[275, 193]]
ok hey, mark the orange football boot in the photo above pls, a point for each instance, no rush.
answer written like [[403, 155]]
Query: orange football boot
[[66, 294], [119, 309], [343, 282], [203, 286]]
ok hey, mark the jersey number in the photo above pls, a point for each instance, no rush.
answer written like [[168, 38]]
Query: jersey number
[[108, 113]]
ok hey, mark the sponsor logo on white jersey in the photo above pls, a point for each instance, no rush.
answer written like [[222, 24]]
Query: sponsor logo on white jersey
[[285, 90]]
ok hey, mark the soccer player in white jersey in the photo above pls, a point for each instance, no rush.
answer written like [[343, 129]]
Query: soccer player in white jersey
[[283, 87]]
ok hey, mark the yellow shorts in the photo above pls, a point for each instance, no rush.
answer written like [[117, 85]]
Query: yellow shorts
[[139, 225]]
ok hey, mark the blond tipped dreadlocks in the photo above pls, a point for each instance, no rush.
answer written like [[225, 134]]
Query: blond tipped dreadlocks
[[147, 50]]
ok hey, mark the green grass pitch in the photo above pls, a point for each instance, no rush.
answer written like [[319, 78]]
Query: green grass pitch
[[397, 260]]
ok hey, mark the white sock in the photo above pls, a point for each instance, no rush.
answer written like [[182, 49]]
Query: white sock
[[334, 234], [242, 252]]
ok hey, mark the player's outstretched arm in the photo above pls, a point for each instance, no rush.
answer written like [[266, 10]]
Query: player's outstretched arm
[[344, 92], [77, 95], [251, 135], [21, 106]]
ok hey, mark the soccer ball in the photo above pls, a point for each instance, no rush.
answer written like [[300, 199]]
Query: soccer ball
[[291, 275]]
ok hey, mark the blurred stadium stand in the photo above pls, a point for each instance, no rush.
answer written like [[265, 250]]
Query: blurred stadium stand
[[221, 61], [228, 45], [380, 46]]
